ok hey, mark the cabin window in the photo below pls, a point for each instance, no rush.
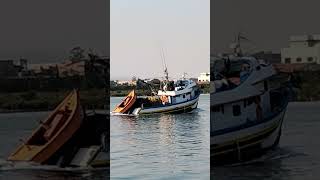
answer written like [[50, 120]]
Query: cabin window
[[287, 60], [215, 109], [299, 59], [250, 101], [236, 110], [265, 84], [184, 96], [218, 109], [310, 59]]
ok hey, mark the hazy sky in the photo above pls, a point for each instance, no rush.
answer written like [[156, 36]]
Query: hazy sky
[[140, 28], [268, 23], [43, 30]]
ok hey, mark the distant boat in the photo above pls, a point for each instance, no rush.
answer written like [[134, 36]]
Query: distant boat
[[52, 133]]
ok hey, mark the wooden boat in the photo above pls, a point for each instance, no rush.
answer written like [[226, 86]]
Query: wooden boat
[[52, 133], [127, 103]]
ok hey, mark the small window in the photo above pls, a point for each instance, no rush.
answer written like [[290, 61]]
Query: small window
[[236, 110], [299, 59], [184, 96], [265, 84], [218, 109], [310, 59], [250, 101], [215, 108], [287, 60]]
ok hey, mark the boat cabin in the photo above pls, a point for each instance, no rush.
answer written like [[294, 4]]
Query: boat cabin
[[182, 91], [228, 74]]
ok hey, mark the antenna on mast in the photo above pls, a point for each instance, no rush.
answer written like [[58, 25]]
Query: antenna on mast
[[166, 74]]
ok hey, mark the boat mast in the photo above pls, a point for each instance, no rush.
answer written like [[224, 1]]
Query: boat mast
[[237, 48], [166, 74]]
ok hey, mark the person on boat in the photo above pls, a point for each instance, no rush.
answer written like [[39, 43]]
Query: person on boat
[[244, 73], [221, 85]]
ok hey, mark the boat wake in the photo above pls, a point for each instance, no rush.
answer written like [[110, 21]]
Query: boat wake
[[121, 114]]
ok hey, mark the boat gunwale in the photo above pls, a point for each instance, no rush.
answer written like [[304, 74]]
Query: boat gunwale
[[168, 105], [42, 147]]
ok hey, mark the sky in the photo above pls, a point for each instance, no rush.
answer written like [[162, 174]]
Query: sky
[[44, 31], [139, 29], [268, 23]]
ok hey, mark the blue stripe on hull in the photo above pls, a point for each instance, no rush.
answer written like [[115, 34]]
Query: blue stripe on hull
[[248, 124], [176, 110], [250, 148]]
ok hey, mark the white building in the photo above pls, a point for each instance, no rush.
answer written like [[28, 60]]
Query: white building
[[126, 83], [302, 49], [204, 77]]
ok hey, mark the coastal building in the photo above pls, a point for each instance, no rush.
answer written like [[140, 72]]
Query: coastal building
[[204, 77], [271, 57], [302, 49], [8, 69], [71, 68], [125, 83]]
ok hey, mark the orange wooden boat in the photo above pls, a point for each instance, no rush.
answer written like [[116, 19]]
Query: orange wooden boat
[[127, 103], [53, 133]]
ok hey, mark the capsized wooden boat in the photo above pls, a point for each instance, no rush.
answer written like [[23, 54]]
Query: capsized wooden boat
[[127, 103], [52, 133]]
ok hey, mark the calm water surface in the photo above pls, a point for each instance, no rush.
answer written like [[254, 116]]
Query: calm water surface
[[161, 146], [298, 155], [15, 126]]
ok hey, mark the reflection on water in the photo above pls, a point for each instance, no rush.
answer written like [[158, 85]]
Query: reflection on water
[[297, 156], [163, 146], [166, 123]]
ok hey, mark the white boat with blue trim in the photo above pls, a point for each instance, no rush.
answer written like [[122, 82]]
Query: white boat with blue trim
[[248, 104], [180, 96], [173, 97]]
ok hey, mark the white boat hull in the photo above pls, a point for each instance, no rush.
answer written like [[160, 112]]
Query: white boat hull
[[246, 143], [181, 107]]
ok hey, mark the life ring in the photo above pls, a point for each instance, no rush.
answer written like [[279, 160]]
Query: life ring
[[164, 99]]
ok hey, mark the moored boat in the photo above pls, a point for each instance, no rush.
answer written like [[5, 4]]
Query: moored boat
[[52, 133]]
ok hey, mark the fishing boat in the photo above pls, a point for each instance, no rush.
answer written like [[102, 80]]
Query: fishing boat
[[127, 103], [52, 133], [248, 104], [177, 96], [181, 96]]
